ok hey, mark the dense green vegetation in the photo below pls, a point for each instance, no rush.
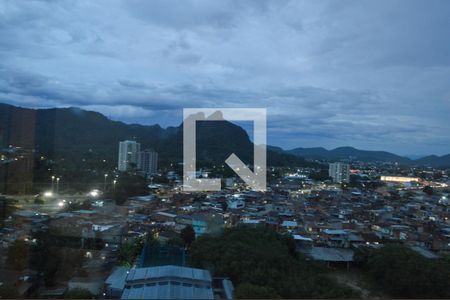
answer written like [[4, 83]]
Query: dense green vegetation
[[188, 235], [9, 292], [7, 208], [128, 186], [49, 260], [320, 175], [18, 255], [252, 291], [400, 272], [263, 264], [78, 293], [129, 251]]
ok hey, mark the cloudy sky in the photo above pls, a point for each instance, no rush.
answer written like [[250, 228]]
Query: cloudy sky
[[369, 74]]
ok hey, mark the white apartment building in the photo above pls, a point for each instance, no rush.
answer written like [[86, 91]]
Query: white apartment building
[[128, 155], [340, 172]]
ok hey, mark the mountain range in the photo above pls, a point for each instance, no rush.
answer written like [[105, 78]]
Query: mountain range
[[72, 132], [350, 153]]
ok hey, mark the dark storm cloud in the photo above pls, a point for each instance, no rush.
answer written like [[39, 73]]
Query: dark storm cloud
[[371, 74]]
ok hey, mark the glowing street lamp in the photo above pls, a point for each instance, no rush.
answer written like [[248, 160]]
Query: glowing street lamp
[[114, 184], [53, 183], [57, 184], [104, 183], [48, 194], [94, 193]]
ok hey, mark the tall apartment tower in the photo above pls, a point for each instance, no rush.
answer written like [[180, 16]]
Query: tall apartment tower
[[340, 172], [128, 155], [148, 161]]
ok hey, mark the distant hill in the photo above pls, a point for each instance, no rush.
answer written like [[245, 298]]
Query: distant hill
[[350, 153], [434, 161], [311, 153], [70, 133]]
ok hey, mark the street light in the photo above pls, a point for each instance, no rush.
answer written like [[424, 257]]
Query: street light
[[94, 193], [48, 194], [104, 184], [114, 184], [53, 183], [57, 185]]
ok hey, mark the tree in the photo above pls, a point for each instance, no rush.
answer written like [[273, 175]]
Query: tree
[[260, 257], [361, 256], [128, 186], [7, 208], [18, 255], [428, 190], [224, 205], [253, 291], [120, 196], [175, 242], [188, 235], [8, 292], [78, 293], [401, 272], [129, 251], [126, 254], [320, 175], [39, 200], [159, 179]]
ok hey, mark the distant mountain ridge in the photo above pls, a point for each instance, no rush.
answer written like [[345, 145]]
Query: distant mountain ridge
[[435, 160], [350, 153], [73, 132], [70, 133]]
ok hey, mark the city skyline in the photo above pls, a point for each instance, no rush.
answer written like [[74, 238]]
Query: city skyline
[[373, 75]]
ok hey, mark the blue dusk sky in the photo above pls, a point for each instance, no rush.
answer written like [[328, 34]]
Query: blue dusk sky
[[369, 74]]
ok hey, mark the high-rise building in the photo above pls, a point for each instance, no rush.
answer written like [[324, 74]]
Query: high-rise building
[[340, 172], [128, 155], [148, 161]]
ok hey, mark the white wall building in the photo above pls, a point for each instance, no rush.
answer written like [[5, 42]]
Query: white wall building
[[340, 172], [128, 155]]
